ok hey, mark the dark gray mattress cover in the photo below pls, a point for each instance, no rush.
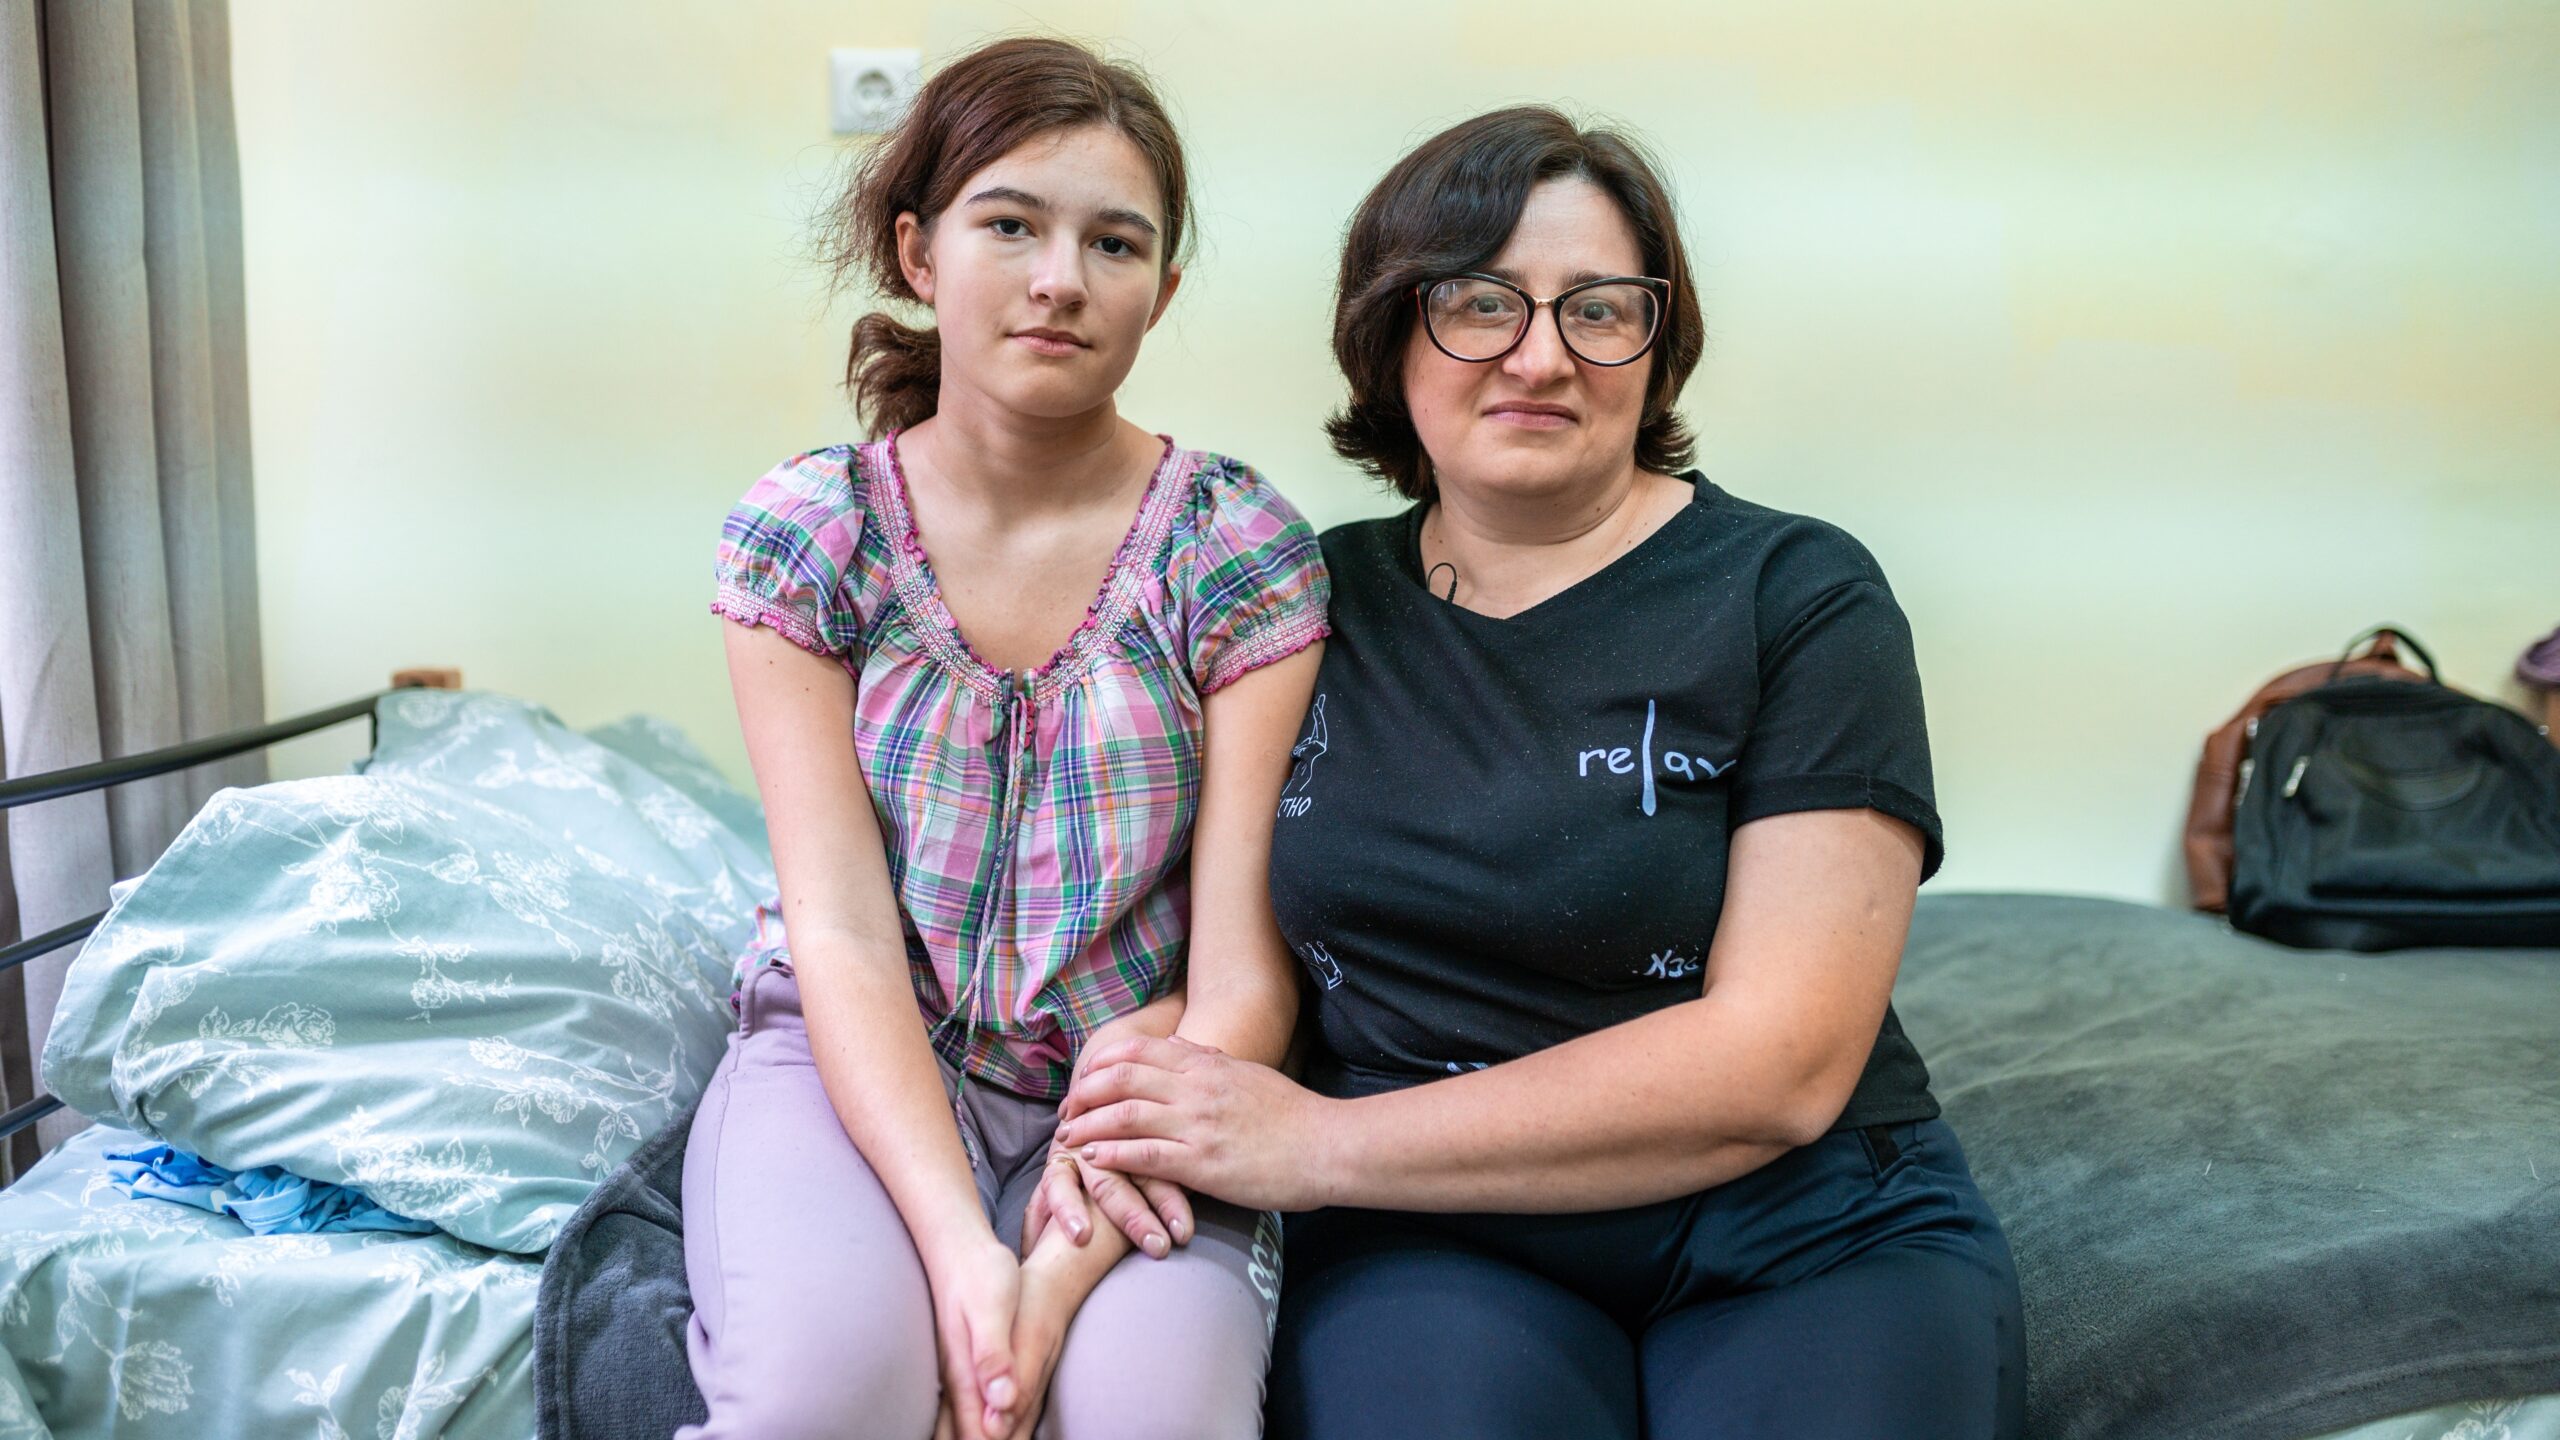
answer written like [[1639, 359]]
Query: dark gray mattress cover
[[2252, 1191]]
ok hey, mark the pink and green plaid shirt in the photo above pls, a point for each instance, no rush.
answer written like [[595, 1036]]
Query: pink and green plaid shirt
[[1038, 823]]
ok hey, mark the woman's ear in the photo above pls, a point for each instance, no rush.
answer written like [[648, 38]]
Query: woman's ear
[[1164, 295], [915, 254]]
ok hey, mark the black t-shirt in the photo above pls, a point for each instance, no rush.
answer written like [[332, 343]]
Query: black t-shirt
[[1502, 834]]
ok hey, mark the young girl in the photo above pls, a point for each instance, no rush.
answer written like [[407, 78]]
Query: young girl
[[1003, 672]]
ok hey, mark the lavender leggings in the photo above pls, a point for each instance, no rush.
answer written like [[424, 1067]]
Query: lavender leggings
[[811, 1314]]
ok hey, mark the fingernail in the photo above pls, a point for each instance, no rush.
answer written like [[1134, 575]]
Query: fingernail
[[1000, 1393], [1089, 1152], [1155, 1246], [1181, 1231]]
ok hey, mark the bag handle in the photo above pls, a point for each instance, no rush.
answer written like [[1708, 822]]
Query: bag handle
[[2383, 637]]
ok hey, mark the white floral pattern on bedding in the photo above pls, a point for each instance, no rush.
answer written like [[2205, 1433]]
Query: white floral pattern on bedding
[[467, 981], [144, 1318], [2531, 1418]]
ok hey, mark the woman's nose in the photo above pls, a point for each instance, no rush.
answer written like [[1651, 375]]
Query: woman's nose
[[1540, 358]]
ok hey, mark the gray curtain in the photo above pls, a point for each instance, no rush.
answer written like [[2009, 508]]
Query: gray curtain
[[128, 559]]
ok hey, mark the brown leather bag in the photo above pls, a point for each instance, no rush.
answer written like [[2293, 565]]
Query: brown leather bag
[[2226, 751]]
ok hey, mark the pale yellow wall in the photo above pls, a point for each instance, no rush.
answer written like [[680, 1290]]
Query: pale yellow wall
[[2152, 344]]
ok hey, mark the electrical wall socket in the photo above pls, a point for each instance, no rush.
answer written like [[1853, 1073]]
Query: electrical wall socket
[[868, 88]]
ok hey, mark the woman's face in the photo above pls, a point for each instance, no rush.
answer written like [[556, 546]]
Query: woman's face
[[1046, 272], [1537, 421]]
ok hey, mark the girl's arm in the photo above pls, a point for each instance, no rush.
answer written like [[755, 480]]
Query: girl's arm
[[1242, 990], [848, 950], [1817, 906]]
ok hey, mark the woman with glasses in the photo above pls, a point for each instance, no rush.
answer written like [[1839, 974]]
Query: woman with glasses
[[1599, 855]]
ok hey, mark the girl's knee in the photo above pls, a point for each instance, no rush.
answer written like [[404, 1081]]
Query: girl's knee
[[1149, 1406], [860, 1394]]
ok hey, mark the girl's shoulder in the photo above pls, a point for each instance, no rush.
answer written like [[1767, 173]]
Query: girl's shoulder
[[802, 551], [1235, 508], [815, 486]]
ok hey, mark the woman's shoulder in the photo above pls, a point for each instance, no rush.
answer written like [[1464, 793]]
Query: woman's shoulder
[[1792, 557], [1360, 546]]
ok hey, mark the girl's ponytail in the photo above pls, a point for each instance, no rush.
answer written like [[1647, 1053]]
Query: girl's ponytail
[[894, 372]]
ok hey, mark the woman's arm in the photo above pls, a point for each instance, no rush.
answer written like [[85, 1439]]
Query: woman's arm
[[848, 950], [1817, 907]]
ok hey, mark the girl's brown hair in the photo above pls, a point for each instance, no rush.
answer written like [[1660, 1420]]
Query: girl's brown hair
[[1448, 208], [973, 111]]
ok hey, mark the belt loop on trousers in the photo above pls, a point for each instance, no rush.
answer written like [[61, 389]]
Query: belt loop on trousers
[[1880, 1144]]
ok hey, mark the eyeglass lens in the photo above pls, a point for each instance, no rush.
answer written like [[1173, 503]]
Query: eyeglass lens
[[1481, 319]]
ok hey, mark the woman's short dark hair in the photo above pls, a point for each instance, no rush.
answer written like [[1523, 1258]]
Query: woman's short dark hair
[[1449, 207]]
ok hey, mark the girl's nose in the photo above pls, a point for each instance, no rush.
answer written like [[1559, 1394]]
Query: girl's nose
[[1059, 279]]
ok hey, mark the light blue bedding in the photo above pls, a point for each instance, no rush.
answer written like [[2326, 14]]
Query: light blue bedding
[[134, 1317], [466, 981]]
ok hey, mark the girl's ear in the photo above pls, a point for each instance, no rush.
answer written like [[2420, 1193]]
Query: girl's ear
[[915, 254], [1164, 296]]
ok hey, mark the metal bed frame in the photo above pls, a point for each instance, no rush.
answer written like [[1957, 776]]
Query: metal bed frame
[[79, 779]]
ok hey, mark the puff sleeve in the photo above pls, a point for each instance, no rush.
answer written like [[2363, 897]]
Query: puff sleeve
[[790, 555], [1256, 579]]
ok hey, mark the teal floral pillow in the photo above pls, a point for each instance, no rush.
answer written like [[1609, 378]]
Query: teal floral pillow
[[467, 981]]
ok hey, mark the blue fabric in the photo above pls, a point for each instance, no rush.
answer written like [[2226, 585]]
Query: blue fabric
[[1857, 1286], [269, 1200]]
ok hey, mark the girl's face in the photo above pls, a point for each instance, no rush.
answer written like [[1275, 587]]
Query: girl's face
[[1046, 272], [1537, 420]]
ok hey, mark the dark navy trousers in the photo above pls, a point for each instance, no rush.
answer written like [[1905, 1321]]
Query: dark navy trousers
[[1856, 1287]]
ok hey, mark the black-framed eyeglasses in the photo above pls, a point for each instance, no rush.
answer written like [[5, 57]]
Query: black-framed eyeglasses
[[1481, 318]]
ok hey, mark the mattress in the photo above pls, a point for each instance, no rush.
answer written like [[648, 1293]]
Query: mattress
[[2252, 1191]]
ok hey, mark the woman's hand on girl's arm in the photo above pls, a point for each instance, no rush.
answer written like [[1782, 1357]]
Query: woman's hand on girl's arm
[[848, 953], [1153, 1213], [1241, 990], [1817, 907]]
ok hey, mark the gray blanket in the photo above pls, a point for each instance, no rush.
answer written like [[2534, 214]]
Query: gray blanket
[[608, 1323], [2252, 1191]]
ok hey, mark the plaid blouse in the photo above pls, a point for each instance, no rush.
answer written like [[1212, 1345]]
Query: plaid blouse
[[1038, 823]]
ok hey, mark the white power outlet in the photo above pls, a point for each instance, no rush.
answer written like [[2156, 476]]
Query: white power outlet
[[868, 88]]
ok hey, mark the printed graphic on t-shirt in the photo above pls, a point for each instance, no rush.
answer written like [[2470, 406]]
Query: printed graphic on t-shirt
[[1640, 759], [1294, 799], [1321, 960], [1670, 964]]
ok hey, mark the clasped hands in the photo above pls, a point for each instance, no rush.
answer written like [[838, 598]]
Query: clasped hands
[[1001, 1321], [1145, 1121]]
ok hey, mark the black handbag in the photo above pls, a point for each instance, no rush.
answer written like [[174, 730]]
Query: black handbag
[[2377, 813]]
